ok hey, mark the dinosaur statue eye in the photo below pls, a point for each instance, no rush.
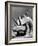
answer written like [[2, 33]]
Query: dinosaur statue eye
[[22, 17]]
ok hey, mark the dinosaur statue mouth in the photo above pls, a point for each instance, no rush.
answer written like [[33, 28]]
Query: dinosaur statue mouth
[[20, 30]]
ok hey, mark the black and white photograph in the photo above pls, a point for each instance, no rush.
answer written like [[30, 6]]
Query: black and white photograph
[[20, 22]]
